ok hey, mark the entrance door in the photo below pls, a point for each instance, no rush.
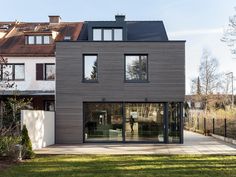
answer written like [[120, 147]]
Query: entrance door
[[144, 122]]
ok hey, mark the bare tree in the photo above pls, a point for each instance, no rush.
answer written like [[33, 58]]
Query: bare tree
[[229, 36], [208, 82]]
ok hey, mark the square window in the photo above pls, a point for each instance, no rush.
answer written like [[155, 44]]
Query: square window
[[39, 40], [107, 34], [31, 40], [136, 68], [46, 39], [90, 68], [97, 34], [118, 34]]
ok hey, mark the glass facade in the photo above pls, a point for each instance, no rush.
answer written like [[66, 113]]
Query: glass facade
[[144, 122], [132, 122], [174, 118], [103, 121]]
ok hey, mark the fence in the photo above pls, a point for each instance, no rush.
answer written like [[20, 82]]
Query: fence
[[223, 127]]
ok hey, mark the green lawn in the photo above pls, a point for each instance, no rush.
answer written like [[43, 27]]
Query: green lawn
[[126, 165]]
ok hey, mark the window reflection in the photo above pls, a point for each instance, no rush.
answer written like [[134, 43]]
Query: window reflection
[[90, 67], [103, 121], [136, 67]]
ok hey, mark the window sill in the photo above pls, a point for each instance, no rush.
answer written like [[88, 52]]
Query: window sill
[[89, 81], [136, 81]]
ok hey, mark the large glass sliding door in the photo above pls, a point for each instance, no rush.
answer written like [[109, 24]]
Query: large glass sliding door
[[103, 122], [144, 122], [132, 122], [174, 118]]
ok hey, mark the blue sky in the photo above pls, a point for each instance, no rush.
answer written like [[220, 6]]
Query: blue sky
[[199, 22]]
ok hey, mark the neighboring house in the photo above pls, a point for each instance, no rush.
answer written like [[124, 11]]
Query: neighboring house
[[121, 81], [30, 50]]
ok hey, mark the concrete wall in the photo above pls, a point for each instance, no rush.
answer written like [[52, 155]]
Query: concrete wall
[[41, 127], [30, 82], [166, 69]]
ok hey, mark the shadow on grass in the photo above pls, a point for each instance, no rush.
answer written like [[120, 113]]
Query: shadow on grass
[[126, 165]]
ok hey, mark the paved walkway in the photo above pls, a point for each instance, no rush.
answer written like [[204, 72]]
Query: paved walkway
[[194, 144]]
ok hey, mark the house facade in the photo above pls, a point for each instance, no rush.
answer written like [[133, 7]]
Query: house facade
[[29, 48], [121, 81]]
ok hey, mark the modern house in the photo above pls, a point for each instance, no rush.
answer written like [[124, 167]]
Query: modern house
[[120, 81], [30, 50]]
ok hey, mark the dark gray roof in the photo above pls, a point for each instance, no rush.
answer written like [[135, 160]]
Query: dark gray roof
[[136, 31], [146, 31]]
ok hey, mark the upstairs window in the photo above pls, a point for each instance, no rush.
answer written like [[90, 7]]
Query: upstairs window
[[90, 68], [45, 71], [38, 40], [97, 34], [136, 68], [118, 34], [15, 72], [107, 34]]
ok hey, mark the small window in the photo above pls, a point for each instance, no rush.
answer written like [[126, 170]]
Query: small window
[[39, 40], [46, 39], [118, 34], [49, 71], [97, 34], [107, 34], [30, 39], [90, 68], [49, 105], [136, 68]]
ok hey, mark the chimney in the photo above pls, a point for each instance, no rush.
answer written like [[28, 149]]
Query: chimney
[[120, 18], [54, 19]]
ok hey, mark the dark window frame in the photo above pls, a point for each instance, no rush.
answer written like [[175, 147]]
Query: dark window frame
[[45, 71], [42, 39], [112, 33], [136, 80], [13, 71], [83, 69]]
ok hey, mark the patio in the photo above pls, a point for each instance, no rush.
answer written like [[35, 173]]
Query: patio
[[193, 144]]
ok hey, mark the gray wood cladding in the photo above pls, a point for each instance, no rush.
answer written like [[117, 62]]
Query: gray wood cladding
[[166, 73]]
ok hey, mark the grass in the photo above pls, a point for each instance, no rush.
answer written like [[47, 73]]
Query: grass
[[124, 165]]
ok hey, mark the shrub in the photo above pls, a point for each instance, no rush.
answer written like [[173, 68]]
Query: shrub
[[27, 152], [8, 147]]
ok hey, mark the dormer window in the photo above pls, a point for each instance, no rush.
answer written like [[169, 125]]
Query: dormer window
[[38, 40], [107, 34]]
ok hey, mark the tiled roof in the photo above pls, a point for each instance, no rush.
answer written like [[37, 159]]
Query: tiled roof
[[12, 42]]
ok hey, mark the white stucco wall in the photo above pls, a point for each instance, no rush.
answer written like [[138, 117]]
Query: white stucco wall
[[30, 82], [41, 127]]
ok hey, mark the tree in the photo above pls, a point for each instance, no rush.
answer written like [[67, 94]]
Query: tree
[[94, 71], [209, 80], [229, 36], [27, 152]]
